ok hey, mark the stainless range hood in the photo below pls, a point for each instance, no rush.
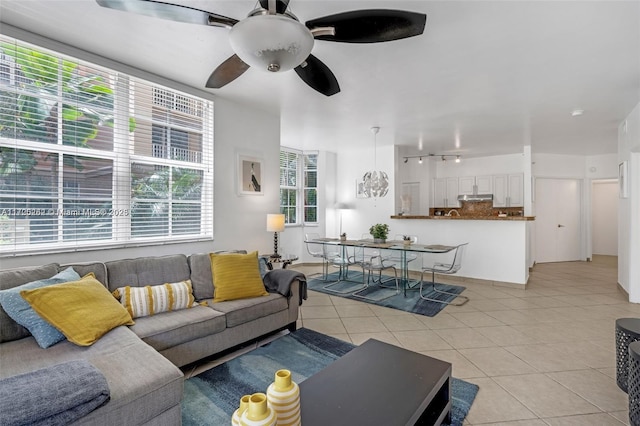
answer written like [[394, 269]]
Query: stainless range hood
[[475, 197]]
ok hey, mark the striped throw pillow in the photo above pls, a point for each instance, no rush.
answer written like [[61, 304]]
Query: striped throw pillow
[[150, 300]]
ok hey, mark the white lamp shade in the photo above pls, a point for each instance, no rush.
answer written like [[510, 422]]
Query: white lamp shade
[[271, 42], [275, 222]]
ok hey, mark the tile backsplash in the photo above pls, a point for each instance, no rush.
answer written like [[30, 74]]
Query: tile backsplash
[[478, 209]]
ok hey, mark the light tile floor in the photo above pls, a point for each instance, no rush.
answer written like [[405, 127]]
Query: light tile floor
[[541, 356]]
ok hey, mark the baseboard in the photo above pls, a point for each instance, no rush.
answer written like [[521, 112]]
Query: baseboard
[[621, 289]]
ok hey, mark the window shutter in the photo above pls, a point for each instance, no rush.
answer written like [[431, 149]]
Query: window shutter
[[91, 156]]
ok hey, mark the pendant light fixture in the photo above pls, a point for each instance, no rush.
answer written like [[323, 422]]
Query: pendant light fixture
[[375, 183]]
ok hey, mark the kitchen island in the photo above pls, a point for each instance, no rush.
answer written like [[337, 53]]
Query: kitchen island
[[499, 251]]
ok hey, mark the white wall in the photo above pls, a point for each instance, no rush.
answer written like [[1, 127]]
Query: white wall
[[413, 172], [584, 168], [604, 218], [367, 211], [629, 208], [239, 222]]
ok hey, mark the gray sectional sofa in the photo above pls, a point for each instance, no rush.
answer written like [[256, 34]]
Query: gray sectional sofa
[[140, 362]]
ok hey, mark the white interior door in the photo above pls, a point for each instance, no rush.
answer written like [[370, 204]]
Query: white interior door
[[558, 220]]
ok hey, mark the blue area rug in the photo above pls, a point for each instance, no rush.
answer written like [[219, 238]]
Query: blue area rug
[[211, 397], [412, 303]]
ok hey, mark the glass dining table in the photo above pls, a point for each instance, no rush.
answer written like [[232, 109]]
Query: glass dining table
[[390, 245]]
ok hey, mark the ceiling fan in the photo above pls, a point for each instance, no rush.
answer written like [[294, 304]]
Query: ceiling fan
[[271, 38]]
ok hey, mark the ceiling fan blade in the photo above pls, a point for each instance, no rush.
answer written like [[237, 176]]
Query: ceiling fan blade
[[173, 12], [226, 72], [370, 26], [318, 76], [281, 5]]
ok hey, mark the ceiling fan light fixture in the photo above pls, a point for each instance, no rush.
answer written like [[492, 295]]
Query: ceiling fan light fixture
[[271, 42]]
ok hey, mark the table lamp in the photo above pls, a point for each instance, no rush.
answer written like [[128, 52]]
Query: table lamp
[[275, 224]]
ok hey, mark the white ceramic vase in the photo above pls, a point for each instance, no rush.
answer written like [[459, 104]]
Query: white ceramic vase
[[283, 396], [244, 404], [258, 413]]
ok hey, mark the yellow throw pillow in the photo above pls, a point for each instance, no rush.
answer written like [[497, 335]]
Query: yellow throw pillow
[[149, 300], [82, 310], [236, 276]]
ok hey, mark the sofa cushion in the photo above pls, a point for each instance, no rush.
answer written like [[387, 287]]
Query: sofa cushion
[[244, 310], [154, 299], [22, 313], [201, 276], [56, 395], [9, 278], [169, 329], [82, 310], [98, 269], [147, 271], [143, 383], [236, 276]]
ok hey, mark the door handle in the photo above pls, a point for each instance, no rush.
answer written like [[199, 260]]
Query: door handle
[[560, 226]]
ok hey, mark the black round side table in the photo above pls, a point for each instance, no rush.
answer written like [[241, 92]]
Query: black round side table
[[627, 332], [634, 384]]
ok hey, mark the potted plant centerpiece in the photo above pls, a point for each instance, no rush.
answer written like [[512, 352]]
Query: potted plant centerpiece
[[379, 231]]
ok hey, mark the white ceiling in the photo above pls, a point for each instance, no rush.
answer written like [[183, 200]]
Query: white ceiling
[[485, 78]]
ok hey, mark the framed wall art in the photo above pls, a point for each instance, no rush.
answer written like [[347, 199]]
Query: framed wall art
[[250, 172]]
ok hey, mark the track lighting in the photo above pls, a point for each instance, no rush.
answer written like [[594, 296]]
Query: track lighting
[[443, 157]]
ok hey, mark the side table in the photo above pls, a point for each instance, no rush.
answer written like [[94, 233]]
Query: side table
[[627, 332], [285, 259], [634, 383]]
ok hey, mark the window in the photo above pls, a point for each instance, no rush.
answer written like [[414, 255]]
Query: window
[[91, 156], [298, 196], [310, 188]]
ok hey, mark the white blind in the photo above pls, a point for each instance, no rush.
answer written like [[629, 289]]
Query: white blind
[[310, 187], [289, 166], [90, 156]]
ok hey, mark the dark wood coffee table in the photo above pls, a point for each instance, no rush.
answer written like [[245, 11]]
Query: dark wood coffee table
[[378, 384]]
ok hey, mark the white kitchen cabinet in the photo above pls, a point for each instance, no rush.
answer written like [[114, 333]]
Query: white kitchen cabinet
[[508, 190], [484, 184], [516, 190], [445, 192], [470, 185], [466, 185]]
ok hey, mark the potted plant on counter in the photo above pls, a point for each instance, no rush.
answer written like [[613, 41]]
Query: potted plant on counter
[[379, 231]]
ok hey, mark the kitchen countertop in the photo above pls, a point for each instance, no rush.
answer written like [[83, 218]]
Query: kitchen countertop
[[506, 218]]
